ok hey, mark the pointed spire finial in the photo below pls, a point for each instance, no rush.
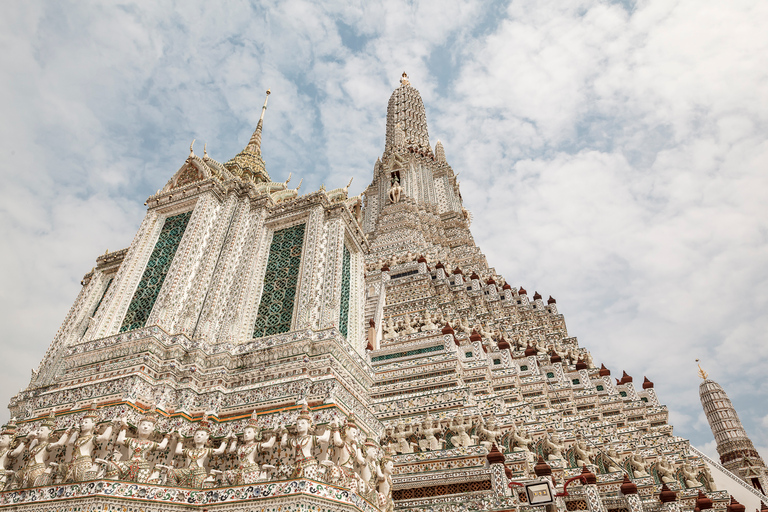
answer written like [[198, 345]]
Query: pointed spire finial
[[404, 79], [205, 150], [254, 145], [192, 151], [702, 373]]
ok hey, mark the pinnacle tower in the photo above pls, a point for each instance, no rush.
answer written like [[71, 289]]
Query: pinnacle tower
[[737, 453]]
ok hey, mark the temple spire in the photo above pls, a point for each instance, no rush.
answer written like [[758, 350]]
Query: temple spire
[[254, 145], [248, 164]]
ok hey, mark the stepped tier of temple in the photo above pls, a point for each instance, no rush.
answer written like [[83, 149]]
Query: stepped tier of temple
[[255, 348]]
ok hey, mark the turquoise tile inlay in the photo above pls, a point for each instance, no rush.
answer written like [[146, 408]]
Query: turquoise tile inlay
[[154, 274], [280, 280], [415, 352], [344, 314]]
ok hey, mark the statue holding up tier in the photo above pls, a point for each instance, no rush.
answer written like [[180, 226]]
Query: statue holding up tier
[[637, 463], [490, 432], [347, 453], [691, 481], [460, 425], [303, 444], [553, 446], [137, 468], [370, 468], [384, 478], [522, 442], [401, 435], [6, 439], [83, 441], [248, 470], [665, 471], [195, 474], [36, 471], [582, 453], [429, 429]]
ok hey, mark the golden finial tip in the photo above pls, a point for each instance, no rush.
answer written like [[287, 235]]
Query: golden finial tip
[[702, 373], [269, 91]]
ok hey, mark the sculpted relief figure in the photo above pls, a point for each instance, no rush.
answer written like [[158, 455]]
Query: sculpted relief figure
[[461, 425], [137, 468], [553, 446], [429, 429], [195, 474], [401, 435], [6, 439], [490, 432], [384, 478], [637, 463], [248, 470], [370, 469], [83, 442], [690, 476], [522, 442], [347, 453], [303, 444], [582, 453], [36, 471], [395, 190]]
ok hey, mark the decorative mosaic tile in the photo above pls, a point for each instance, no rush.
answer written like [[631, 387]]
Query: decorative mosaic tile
[[154, 274], [280, 280], [344, 313]]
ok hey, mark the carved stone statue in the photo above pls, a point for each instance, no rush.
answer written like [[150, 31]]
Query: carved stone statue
[[522, 441], [36, 471], [582, 453], [6, 439], [395, 190], [460, 425], [347, 453], [610, 460], [248, 470], [384, 478], [137, 468], [370, 468], [690, 476], [401, 435], [83, 441], [553, 447], [665, 471], [429, 429], [637, 463], [303, 445], [490, 433], [390, 331], [429, 323], [195, 474]]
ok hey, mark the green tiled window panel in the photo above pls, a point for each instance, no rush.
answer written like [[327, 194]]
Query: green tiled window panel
[[154, 274], [280, 280], [344, 313], [406, 354]]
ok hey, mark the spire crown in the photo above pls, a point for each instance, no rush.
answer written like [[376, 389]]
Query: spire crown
[[248, 165], [406, 120]]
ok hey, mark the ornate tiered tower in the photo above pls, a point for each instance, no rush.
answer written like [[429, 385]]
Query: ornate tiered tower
[[737, 453], [254, 348]]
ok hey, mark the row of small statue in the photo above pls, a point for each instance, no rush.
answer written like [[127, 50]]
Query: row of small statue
[[362, 468], [431, 434]]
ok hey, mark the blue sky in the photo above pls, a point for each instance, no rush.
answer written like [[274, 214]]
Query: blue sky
[[614, 154]]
